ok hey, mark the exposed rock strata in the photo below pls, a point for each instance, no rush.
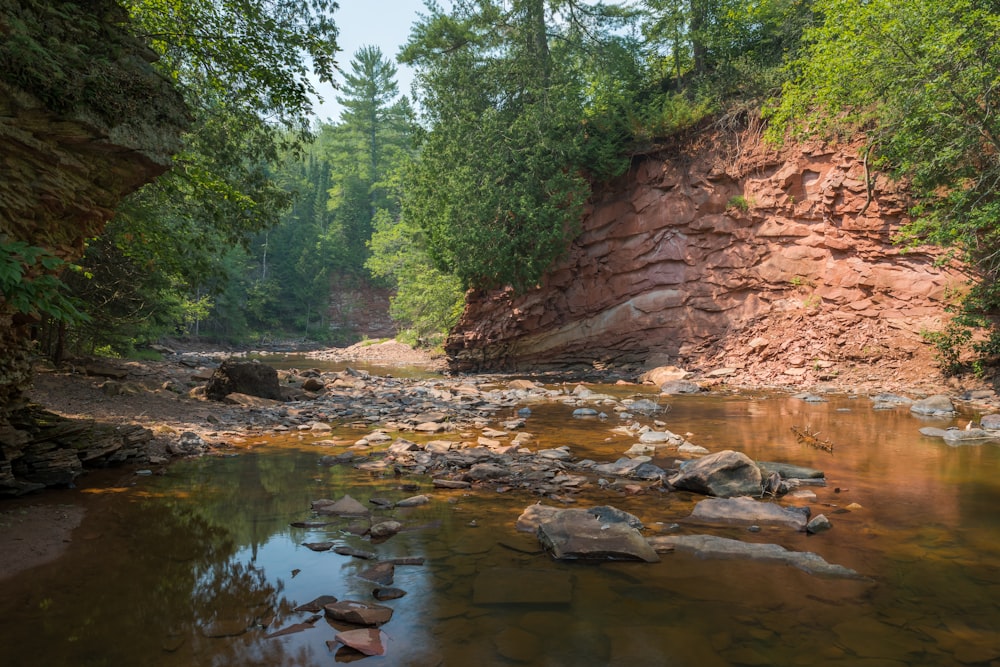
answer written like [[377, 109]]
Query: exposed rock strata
[[71, 148], [719, 254]]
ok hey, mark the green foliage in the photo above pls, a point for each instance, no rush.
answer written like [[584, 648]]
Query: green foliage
[[500, 183], [252, 57], [739, 202], [427, 303], [922, 79], [29, 284]]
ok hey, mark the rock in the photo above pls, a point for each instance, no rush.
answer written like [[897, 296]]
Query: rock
[[810, 398], [313, 384], [711, 546], [663, 374], [818, 524], [381, 573], [644, 406], [188, 444], [505, 586], [533, 515], [345, 506], [318, 546], [933, 432], [658, 437], [243, 377], [640, 449], [938, 405], [248, 401], [990, 422], [724, 474], [356, 553], [525, 385], [413, 501], [688, 448], [364, 640], [385, 593], [678, 387], [557, 454], [972, 436], [385, 529], [359, 613], [749, 511], [316, 604], [429, 427], [789, 471], [892, 399], [584, 413], [578, 534]]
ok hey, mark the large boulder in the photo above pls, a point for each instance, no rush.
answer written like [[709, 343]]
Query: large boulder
[[243, 377], [725, 474]]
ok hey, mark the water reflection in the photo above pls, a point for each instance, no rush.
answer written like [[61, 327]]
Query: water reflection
[[188, 568]]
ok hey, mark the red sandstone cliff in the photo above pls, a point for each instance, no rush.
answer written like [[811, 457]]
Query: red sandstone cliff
[[724, 253]]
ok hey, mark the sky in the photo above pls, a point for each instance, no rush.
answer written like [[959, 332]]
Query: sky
[[382, 23]]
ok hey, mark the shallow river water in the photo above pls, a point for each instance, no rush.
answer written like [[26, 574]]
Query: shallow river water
[[185, 568]]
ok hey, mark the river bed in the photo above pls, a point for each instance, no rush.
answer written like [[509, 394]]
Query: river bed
[[200, 565]]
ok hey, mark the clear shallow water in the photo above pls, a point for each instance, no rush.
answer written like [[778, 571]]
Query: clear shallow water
[[159, 566]]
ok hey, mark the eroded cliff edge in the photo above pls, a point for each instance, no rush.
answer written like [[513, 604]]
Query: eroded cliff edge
[[84, 120], [721, 252]]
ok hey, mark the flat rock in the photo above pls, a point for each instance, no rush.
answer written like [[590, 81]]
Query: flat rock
[[359, 613], [679, 387], [364, 640], [724, 474], [789, 471], [385, 529], [414, 501], [578, 534], [937, 405], [317, 604], [990, 422], [522, 586], [356, 553], [387, 593], [972, 436], [345, 506], [663, 374], [749, 511], [381, 573], [711, 546]]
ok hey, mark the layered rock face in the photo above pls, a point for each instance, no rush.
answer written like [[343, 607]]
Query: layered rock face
[[84, 120], [717, 254]]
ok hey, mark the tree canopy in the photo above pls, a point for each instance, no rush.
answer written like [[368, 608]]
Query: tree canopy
[[922, 81]]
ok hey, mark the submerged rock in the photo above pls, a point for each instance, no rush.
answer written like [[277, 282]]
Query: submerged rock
[[711, 546], [749, 511], [345, 506], [521, 586]]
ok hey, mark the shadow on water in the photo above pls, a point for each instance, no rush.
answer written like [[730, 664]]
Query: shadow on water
[[188, 568]]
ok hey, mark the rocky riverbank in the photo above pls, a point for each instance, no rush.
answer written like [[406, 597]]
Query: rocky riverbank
[[463, 435]]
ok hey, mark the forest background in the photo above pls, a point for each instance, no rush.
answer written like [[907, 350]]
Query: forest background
[[520, 108]]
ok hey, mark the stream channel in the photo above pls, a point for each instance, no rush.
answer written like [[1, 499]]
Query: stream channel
[[186, 568]]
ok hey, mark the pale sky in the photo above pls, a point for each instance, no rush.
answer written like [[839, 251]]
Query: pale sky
[[382, 23]]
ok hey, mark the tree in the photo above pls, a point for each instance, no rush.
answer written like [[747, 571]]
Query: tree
[[923, 80], [244, 68], [502, 176]]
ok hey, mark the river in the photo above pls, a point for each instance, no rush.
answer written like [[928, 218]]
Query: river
[[186, 568]]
